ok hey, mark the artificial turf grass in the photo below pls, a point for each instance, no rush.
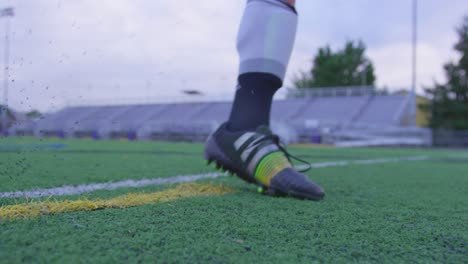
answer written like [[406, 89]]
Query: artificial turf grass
[[217, 230], [398, 212], [87, 161], [26, 169], [52, 169], [395, 212]]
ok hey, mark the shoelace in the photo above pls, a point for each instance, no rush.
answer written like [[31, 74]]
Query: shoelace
[[289, 156]]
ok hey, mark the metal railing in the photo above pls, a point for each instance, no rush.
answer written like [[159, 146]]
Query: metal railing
[[331, 91]]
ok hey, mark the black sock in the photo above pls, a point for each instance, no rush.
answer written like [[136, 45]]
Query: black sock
[[252, 102]]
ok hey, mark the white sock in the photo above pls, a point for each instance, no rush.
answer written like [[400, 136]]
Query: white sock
[[266, 37]]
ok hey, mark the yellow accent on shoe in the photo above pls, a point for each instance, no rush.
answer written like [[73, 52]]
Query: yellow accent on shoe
[[269, 166]]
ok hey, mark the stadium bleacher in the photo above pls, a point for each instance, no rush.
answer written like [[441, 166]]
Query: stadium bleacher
[[216, 112], [286, 110], [338, 110], [134, 117], [297, 119], [383, 110]]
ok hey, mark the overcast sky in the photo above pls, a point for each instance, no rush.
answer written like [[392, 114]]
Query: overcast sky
[[75, 51]]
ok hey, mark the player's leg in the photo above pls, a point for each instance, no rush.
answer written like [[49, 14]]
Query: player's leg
[[264, 43], [244, 145]]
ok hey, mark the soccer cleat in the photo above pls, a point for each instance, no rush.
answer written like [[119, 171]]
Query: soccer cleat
[[258, 157]]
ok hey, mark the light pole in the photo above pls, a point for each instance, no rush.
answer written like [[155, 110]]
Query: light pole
[[413, 104], [7, 13]]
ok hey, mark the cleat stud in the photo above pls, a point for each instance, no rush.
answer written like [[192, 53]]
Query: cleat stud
[[260, 190]]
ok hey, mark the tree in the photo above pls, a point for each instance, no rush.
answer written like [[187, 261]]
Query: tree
[[33, 114], [10, 118], [346, 67], [449, 102]]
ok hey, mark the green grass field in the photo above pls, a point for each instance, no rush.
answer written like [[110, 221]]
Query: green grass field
[[407, 211]]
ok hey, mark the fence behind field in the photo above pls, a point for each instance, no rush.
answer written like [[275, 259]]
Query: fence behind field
[[450, 138]]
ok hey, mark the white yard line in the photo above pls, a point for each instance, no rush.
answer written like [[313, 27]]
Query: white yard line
[[86, 188], [362, 162]]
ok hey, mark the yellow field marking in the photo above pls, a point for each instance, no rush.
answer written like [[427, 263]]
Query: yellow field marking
[[35, 209]]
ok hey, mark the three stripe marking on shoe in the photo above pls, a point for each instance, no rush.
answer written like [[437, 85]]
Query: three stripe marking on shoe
[[250, 147], [246, 153], [242, 139]]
